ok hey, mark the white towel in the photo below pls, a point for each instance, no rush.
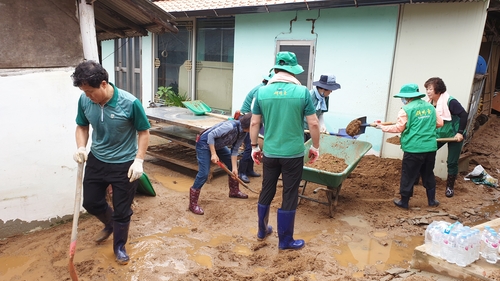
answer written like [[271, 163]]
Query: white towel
[[442, 106]]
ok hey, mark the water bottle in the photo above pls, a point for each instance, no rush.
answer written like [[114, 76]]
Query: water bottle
[[428, 236], [484, 240], [476, 244], [451, 249], [492, 248], [446, 241], [462, 249]]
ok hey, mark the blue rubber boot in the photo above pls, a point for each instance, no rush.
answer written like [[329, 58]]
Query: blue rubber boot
[[264, 229], [286, 223], [120, 237]]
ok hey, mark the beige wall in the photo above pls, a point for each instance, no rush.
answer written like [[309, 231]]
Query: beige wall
[[436, 40]]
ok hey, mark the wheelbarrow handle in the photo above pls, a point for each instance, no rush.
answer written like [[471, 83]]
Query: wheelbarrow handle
[[237, 178]]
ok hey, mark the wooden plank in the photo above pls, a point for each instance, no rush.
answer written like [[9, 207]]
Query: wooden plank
[[180, 155], [175, 134]]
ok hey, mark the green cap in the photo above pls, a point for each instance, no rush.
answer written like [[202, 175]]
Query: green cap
[[287, 61], [409, 91]]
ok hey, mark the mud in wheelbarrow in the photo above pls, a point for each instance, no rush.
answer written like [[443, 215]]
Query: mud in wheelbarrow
[[351, 150]]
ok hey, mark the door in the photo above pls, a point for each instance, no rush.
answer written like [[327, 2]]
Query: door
[[304, 50], [128, 65]]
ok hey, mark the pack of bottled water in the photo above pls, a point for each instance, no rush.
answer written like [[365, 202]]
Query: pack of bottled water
[[461, 244]]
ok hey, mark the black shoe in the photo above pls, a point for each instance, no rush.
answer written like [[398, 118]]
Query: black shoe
[[435, 203], [401, 204], [244, 178], [253, 174], [449, 192]]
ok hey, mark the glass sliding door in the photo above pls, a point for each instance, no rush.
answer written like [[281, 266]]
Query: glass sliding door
[[214, 62], [174, 52]]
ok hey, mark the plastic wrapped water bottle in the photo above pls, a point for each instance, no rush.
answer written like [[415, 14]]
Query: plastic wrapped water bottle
[[451, 249], [462, 249], [437, 237], [484, 240], [491, 248], [446, 241]]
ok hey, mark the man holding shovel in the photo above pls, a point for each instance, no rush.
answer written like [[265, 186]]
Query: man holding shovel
[[120, 139], [417, 122]]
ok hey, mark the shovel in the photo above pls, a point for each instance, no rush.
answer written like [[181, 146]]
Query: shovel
[[231, 174], [200, 108], [76, 214], [339, 134], [353, 128]]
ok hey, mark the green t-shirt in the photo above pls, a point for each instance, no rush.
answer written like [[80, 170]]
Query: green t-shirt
[[283, 107], [419, 136], [114, 125]]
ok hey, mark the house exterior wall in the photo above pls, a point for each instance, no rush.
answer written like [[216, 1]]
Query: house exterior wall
[[436, 40], [37, 171], [355, 44]]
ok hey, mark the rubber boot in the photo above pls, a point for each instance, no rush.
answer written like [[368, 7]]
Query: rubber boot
[[242, 172], [264, 228], [107, 219], [194, 194], [250, 171], [403, 203], [431, 197], [450, 185], [234, 190], [286, 223], [120, 237]]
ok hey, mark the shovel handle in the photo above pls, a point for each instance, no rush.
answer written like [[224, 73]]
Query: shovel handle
[[447, 140], [218, 115], [382, 123], [237, 178]]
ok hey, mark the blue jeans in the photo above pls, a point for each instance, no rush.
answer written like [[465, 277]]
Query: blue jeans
[[203, 156]]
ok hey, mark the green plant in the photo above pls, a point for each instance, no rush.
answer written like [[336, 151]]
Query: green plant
[[170, 97]]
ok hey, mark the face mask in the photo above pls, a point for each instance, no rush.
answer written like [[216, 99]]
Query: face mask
[[404, 101]]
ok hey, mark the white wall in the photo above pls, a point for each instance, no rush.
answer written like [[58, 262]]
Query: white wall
[[37, 171], [355, 44], [436, 40]]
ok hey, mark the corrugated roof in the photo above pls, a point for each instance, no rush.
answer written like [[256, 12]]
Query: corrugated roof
[[130, 18], [205, 8]]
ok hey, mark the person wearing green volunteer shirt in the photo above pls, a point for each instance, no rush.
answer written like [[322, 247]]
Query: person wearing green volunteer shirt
[[283, 104], [120, 138], [455, 121], [245, 168], [320, 96], [417, 122]]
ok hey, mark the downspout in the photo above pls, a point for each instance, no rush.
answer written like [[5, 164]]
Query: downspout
[[87, 30], [194, 61]]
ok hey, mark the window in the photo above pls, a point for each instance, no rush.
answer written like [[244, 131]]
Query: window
[[304, 50], [128, 65]]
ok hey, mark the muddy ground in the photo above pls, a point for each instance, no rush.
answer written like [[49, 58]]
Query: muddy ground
[[367, 235]]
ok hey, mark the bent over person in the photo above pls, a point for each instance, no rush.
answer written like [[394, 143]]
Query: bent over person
[[282, 105], [120, 139]]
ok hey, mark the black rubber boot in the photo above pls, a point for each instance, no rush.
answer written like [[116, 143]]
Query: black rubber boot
[[250, 171], [242, 172], [450, 185], [286, 224], [120, 237], [107, 219], [403, 203], [431, 197], [264, 228]]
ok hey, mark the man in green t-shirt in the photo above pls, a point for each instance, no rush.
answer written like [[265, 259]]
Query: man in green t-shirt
[[120, 137], [282, 104], [417, 122]]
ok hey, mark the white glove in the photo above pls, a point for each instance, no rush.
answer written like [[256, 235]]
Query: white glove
[[322, 129], [256, 155], [80, 155], [313, 154], [135, 171]]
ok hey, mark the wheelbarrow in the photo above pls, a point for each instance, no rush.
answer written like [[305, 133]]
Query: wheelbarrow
[[351, 150]]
